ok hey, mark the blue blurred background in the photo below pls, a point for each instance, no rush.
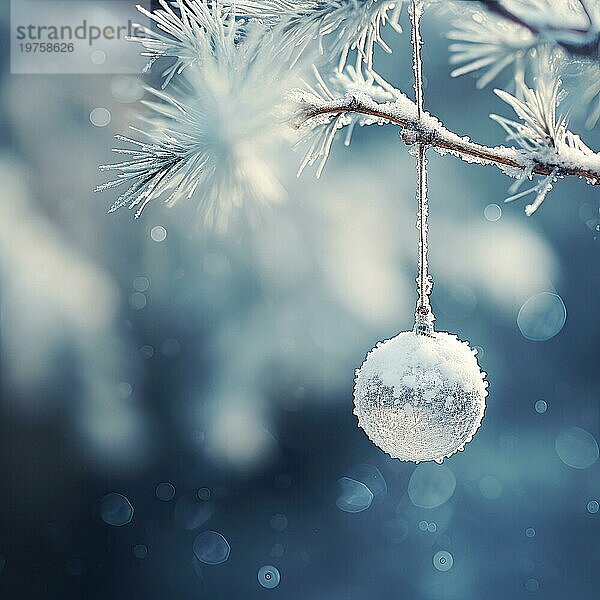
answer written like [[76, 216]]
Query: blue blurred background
[[141, 353]]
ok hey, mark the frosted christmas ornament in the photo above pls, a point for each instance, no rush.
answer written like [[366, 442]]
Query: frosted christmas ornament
[[420, 396]]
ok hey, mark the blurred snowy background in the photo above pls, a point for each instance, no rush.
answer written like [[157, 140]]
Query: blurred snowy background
[[204, 381]]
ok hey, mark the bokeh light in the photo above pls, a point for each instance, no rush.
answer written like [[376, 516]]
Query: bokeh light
[[115, 509], [490, 487], [353, 496], [140, 551], [269, 577], [100, 117], [279, 522], [165, 491], [158, 233], [431, 485], [576, 447], [443, 560], [211, 548], [492, 212], [542, 317]]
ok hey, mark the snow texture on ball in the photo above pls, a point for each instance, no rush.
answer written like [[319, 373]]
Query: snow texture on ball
[[420, 397]]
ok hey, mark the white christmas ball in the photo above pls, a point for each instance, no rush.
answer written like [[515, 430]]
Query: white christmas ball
[[420, 397]]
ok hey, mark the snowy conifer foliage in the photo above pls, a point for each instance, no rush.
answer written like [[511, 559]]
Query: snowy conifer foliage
[[235, 87]]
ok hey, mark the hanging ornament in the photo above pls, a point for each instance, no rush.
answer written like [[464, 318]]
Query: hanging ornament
[[420, 395]]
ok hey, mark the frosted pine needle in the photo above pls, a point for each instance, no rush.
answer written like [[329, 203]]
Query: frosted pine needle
[[488, 45], [182, 33], [587, 83], [338, 26], [215, 135], [541, 133], [539, 128], [318, 131]]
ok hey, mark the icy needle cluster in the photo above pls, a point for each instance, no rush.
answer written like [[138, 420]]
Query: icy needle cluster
[[541, 143], [519, 34], [181, 34], [318, 130], [337, 26], [487, 45], [542, 134], [214, 134], [230, 81]]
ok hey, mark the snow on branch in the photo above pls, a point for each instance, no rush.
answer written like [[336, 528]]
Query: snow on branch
[[214, 134], [319, 129], [546, 147], [541, 132]]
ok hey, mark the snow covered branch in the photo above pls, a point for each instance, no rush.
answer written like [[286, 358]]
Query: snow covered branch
[[431, 132], [214, 128], [557, 153]]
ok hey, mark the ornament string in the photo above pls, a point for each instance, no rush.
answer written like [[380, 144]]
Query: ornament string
[[423, 315]]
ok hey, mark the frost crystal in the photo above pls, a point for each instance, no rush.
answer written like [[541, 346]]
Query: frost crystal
[[419, 397], [539, 129]]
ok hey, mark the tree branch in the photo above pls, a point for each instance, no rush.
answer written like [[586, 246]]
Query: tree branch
[[313, 111]]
